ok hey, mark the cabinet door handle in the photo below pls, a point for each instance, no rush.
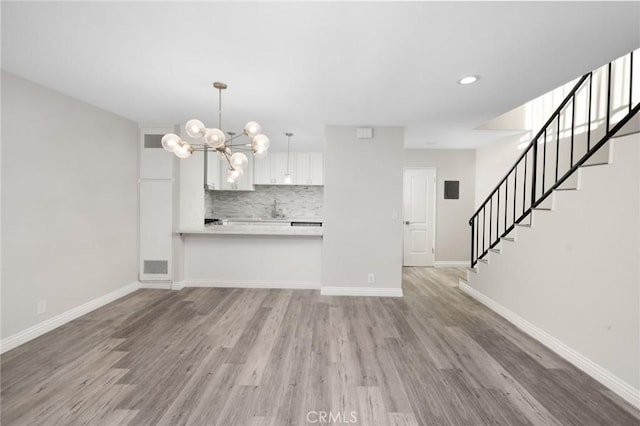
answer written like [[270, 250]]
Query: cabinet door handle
[[406, 222]]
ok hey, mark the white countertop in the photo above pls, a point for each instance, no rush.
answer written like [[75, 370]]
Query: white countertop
[[256, 229]]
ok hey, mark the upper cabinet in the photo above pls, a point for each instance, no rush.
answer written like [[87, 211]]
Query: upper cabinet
[[218, 170], [262, 169], [213, 170], [279, 167], [309, 168], [305, 168], [272, 169]]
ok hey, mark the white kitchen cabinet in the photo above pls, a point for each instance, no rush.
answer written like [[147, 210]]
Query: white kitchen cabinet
[[303, 164], [244, 183], [272, 169], [262, 169], [306, 168], [279, 167], [309, 168], [213, 170], [316, 173]]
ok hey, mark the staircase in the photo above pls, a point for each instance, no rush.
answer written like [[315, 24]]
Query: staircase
[[603, 104], [571, 279]]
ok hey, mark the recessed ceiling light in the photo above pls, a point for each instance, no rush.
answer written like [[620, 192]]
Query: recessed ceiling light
[[468, 80]]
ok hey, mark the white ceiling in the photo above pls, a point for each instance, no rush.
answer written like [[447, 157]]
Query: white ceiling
[[299, 66]]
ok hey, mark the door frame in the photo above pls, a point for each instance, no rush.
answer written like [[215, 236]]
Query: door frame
[[434, 207]]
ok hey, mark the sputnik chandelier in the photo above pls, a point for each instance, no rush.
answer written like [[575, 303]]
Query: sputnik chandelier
[[215, 139]]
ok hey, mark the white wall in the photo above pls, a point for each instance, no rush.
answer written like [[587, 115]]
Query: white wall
[[493, 161], [453, 234], [362, 191], [575, 274], [69, 203]]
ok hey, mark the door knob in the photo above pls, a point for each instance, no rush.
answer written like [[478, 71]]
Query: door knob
[[406, 222]]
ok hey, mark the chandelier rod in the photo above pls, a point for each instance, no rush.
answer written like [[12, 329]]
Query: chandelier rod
[[220, 108]]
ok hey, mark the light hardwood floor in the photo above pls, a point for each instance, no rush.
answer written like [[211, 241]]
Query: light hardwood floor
[[282, 357]]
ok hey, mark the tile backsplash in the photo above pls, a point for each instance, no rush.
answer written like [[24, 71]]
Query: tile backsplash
[[298, 201]]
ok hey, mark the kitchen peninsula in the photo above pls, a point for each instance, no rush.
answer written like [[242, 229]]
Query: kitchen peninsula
[[259, 256], [248, 246]]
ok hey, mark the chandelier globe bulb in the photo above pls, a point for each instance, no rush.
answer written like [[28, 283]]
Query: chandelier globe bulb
[[195, 128]]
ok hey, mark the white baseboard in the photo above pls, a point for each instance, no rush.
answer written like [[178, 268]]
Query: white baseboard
[[610, 380], [361, 291], [299, 285], [156, 286], [63, 318], [451, 263]]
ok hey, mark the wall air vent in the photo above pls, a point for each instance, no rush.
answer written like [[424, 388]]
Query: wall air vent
[[451, 189], [156, 267], [364, 133], [153, 141]]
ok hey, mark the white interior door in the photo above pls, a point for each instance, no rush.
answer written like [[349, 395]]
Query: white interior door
[[419, 199]]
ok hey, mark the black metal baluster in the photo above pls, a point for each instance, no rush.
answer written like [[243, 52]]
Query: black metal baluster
[[608, 98], [498, 217], [589, 114], [506, 197], [490, 221], [515, 191], [557, 147], [630, 80], [484, 227], [477, 235], [472, 242], [544, 161], [573, 123], [534, 172], [524, 183]]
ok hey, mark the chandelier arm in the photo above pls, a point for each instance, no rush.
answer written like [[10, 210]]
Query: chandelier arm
[[236, 136], [237, 144], [200, 147], [226, 156]]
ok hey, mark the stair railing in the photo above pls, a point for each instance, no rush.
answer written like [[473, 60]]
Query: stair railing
[[597, 108]]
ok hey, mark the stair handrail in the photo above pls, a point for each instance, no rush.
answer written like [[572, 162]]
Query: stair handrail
[[533, 146], [557, 112]]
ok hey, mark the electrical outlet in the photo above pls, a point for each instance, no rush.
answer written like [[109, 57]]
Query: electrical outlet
[[371, 278], [41, 307]]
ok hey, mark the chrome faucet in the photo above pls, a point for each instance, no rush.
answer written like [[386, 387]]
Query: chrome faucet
[[276, 212]]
